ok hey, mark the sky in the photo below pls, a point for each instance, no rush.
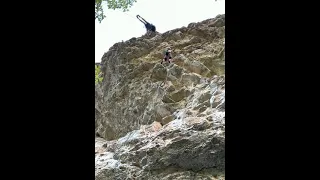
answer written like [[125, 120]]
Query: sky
[[164, 14]]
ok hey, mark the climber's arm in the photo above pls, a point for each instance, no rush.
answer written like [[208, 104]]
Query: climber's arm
[[142, 20]]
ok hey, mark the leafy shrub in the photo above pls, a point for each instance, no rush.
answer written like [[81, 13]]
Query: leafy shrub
[[98, 78]]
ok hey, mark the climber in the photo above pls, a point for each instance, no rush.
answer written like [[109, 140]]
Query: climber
[[149, 27], [167, 55]]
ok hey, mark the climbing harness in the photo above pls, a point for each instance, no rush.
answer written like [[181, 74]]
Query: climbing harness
[[167, 56]]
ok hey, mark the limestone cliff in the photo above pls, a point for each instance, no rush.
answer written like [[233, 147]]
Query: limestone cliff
[[163, 121]]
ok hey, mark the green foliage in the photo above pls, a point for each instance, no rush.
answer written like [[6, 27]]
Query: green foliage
[[98, 78], [112, 4]]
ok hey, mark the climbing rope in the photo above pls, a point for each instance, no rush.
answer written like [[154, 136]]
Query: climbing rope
[[163, 82], [129, 15]]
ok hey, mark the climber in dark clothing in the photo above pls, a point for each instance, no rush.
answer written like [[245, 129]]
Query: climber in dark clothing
[[167, 56], [149, 27]]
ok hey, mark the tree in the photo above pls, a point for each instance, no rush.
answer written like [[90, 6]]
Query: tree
[[111, 4]]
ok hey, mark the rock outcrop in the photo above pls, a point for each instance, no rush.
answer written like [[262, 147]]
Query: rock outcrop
[[163, 121]]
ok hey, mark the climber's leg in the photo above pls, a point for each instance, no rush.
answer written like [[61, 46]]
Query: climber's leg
[[163, 60]]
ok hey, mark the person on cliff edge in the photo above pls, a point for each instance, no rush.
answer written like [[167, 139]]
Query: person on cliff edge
[[150, 27]]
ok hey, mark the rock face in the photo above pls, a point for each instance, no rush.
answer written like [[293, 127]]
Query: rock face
[[163, 121]]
